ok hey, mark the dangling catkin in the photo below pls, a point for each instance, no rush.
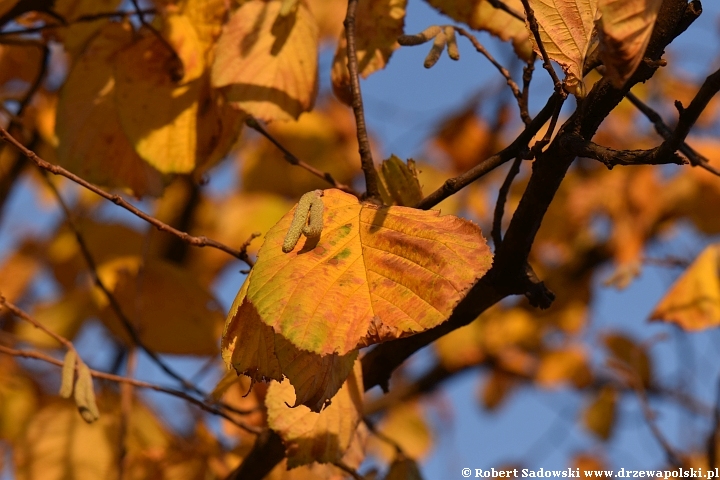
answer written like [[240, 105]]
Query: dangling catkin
[[299, 223]]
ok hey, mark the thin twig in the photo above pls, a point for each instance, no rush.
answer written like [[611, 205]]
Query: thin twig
[[528, 70], [81, 19], [496, 232], [21, 314], [519, 146], [540, 144], [135, 383], [293, 160], [535, 29], [696, 159], [366, 160], [118, 200], [349, 470], [500, 68]]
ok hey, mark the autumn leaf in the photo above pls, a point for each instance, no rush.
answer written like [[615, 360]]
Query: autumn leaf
[[566, 29], [254, 349], [375, 274], [75, 35], [407, 427], [482, 15], [693, 302], [599, 415], [88, 126], [316, 437], [398, 182], [564, 365], [268, 62], [625, 28], [623, 348], [171, 312], [378, 24]]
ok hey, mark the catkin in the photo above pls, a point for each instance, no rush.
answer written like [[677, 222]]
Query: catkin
[[452, 46], [68, 374], [85, 394], [434, 54], [299, 223], [419, 38]]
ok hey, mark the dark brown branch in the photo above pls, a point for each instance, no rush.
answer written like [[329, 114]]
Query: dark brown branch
[[500, 68], [535, 29], [118, 200], [496, 233], [611, 157], [528, 70], [293, 160], [454, 185], [366, 160]]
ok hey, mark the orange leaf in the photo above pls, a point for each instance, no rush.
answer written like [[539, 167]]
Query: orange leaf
[[378, 24], [566, 28], [625, 28], [316, 437], [268, 61], [564, 365], [693, 302], [631, 354], [599, 415], [375, 274]]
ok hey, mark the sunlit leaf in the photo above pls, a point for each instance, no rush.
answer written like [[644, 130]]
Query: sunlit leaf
[[268, 62], [378, 24], [375, 274], [92, 143], [316, 437], [566, 29], [254, 349], [406, 426], [16, 272], [460, 348], [398, 182], [693, 302], [481, 15], [171, 312], [18, 399], [64, 316], [625, 28], [167, 137], [564, 365]]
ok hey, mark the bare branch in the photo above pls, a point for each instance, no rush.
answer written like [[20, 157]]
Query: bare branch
[[293, 160], [118, 200], [496, 233], [535, 29], [511, 11], [366, 160], [81, 19]]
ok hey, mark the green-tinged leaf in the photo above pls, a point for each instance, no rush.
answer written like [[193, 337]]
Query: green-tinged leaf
[[268, 62], [693, 302], [316, 437], [566, 30], [398, 182], [85, 394], [253, 349], [68, 374], [625, 27], [375, 274]]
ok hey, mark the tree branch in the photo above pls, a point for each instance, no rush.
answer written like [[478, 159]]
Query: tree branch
[[366, 160], [118, 200], [535, 29]]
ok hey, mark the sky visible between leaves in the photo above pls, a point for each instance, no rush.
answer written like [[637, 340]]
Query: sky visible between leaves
[[535, 428]]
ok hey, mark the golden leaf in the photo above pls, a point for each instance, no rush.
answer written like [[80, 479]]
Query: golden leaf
[[635, 356], [625, 28], [267, 62], [599, 415], [566, 29], [693, 302], [564, 365], [406, 426], [398, 182], [316, 437], [378, 24]]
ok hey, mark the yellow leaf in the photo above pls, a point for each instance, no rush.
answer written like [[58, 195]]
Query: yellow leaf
[[18, 399], [18, 63], [587, 463], [407, 427], [693, 302], [625, 28], [566, 28], [375, 274], [157, 112], [564, 365], [253, 349], [324, 138], [461, 347], [75, 35], [171, 312], [378, 24], [599, 415], [16, 273], [207, 17], [268, 62], [316, 437], [398, 182], [481, 15], [92, 143]]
